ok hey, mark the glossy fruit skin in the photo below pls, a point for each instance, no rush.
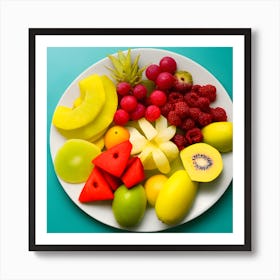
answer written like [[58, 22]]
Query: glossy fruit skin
[[115, 135], [175, 198], [165, 81], [219, 135], [121, 117], [140, 92], [158, 98], [123, 88], [128, 103], [152, 72], [152, 113], [72, 161], [138, 113], [129, 205], [168, 64], [152, 186]]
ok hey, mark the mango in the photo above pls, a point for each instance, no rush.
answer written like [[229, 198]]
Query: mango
[[218, 135], [95, 129], [91, 103], [175, 198]]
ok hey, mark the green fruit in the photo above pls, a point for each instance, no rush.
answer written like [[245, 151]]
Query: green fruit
[[129, 205], [218, 135], [94, 97], [72, 161], [102, 121], [203, 162], [175, 198]]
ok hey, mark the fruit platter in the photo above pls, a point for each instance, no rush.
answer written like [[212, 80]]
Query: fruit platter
[[142, 140]]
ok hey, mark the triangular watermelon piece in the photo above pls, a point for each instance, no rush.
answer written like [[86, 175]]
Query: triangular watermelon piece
[[115, 159], [113, 181], [96, 188], [134, 174]]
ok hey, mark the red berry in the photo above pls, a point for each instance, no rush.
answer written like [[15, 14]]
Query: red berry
[[152, 113], [158, 98], [219, 114], [166, 108], [121, 117], [175, 96], [194, 113], [123, 88], [174, 119], [203, 104], [196, 88], [191, 98], [152, 72], [164, 80], [204, 119], [180, 141], [128, 103], [194, 135], [140, 91], [138, 113], [208, 91], [181, 109], [188, 124], [168, 64]]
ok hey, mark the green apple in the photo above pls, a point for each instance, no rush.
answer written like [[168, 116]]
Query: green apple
[[129, 205], [72, 162]]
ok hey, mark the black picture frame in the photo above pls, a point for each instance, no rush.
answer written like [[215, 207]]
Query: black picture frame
[[34, 32]]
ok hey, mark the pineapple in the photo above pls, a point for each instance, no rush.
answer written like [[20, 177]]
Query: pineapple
[[124, 70]]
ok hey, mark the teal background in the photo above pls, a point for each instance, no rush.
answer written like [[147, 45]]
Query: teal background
[[64, 64]]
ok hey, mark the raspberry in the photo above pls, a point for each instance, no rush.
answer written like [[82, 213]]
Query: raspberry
[[188, 124], [152, 113], [121, 117], [166, 108], [152, 72], [174, 119], [138, 113], [158, 98], [181, 109], [204, 119], [203, 104], [191, 98], [194, 113], [208, 91], [219, 114], [128, 103], [175, 96], [196, 88], [194, 135], [180, 141]]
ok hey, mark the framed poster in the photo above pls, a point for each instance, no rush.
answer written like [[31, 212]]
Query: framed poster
[[90, 188]]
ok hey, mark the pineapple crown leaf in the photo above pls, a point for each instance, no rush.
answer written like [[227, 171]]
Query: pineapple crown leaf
[[125, 70]]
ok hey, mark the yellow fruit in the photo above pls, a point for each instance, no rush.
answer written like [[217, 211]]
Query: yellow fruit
[[203, 162], [175, 198], [104, 118], [72, 118], [77, 102], [218, 135], [115, 135], [152, 187]]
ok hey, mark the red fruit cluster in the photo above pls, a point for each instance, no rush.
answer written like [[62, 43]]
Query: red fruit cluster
[[190, 111]]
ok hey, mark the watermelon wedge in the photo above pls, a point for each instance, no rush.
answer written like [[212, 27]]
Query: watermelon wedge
[[134, 174], [115, 159], [96, 188]]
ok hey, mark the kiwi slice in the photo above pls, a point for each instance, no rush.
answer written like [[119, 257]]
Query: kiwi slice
[[203, 162]]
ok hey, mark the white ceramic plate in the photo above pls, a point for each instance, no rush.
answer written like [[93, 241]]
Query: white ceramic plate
[[208, 194]]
